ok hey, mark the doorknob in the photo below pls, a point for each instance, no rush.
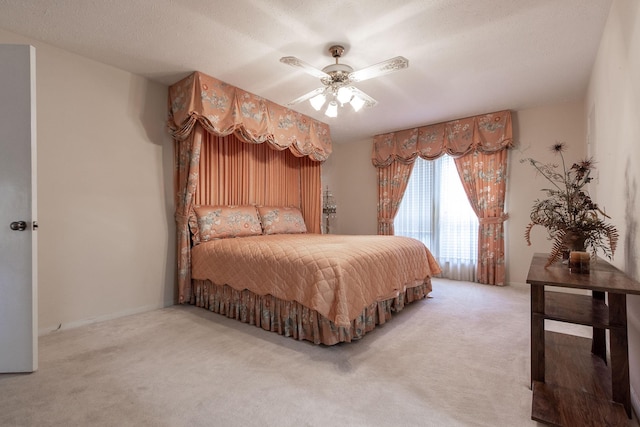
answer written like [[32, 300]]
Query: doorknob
[[18, 226]]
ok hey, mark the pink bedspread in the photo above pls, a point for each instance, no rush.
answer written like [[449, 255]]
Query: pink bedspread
[[338, 276]]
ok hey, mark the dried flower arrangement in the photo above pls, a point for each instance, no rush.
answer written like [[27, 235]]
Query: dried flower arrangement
[[572, 219]]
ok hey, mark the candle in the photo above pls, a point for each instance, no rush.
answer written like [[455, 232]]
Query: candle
[[579, 262]]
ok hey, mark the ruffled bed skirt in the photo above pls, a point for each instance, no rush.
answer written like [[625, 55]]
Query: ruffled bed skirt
[[292, 319]]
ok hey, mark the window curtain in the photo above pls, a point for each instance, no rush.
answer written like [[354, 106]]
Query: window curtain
[[483, 177], [200, 105], [392, 183], [487, 134]]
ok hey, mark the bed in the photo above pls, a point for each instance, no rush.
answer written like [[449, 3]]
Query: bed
[[248, 192], [260, 266]]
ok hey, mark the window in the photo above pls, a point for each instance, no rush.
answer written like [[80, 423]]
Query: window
[[435, 210]]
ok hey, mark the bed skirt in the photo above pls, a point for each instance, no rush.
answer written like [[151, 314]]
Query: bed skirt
[[294, 320]]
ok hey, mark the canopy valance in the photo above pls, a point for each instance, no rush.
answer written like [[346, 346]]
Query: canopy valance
[[486, 133], [223, 109]]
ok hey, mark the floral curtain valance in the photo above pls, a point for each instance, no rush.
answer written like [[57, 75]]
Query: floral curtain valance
[[486, 133], [223, 109]]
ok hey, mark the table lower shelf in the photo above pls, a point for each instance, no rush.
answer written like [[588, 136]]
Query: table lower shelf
[[577, 387]]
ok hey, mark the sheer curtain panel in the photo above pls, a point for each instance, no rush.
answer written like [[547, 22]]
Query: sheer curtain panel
[[435, 210]]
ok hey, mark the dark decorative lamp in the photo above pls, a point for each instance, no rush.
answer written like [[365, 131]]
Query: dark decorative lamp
[[329, 209]]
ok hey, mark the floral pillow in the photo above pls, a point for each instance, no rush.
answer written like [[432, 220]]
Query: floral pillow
[[281, 220], [219, 222]]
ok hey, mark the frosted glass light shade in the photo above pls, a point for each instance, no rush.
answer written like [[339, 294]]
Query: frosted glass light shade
[[357, 103], [318, 101], [344, 94], [332, 109]]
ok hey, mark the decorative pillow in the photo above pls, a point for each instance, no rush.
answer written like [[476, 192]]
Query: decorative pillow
[[219, 222], [281, 220]]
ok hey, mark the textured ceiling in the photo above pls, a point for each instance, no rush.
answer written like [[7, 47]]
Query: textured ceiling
[[466, 57]]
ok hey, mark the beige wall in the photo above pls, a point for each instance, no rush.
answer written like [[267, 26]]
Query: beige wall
[[104, 181], [613, 113], [352, 178], [535, 130]]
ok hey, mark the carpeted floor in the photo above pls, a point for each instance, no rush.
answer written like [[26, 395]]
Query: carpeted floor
[[460, 358]]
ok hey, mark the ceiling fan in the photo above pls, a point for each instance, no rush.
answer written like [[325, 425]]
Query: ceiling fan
[[338, 79]]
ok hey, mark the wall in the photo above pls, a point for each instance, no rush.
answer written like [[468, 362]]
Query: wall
[[353, 180], [535, 131], [613, 113], [104, 190]]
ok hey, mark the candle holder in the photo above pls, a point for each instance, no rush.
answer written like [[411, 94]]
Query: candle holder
[[329, 209]]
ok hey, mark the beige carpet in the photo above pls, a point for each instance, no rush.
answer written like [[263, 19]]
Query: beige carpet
[[460, 358]]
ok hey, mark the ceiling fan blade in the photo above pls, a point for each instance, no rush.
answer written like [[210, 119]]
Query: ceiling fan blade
[[309, 69], [380, 69], [308, 95], [368, 101]]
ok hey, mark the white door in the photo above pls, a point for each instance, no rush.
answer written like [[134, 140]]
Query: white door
[[18, 249]]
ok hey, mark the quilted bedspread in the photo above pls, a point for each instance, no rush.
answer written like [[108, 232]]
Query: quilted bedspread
[[338, 276]]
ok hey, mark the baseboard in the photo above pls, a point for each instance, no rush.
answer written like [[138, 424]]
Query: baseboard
[[517, 284], [110, 316]]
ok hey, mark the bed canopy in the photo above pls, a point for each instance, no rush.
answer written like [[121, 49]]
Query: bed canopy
[[222, 109], [201, 109]]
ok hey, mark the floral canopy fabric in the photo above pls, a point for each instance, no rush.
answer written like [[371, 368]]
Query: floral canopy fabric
[[223, 109], [486, 133], [200, 105]]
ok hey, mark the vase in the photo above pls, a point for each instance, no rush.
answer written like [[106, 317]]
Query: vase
[[574, 241]]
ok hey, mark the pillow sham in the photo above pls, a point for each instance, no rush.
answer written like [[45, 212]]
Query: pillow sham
[[281, 220], [219, 222]]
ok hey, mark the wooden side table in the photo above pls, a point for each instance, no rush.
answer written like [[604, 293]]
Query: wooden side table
[[572, 386]]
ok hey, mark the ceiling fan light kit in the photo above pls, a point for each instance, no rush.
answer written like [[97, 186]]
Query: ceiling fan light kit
[[357, 103], [332, 109], [345, 93], [318, 101], [338, 79]]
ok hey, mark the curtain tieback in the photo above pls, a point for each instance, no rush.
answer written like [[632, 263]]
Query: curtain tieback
[[385, 221], [494, 220]]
